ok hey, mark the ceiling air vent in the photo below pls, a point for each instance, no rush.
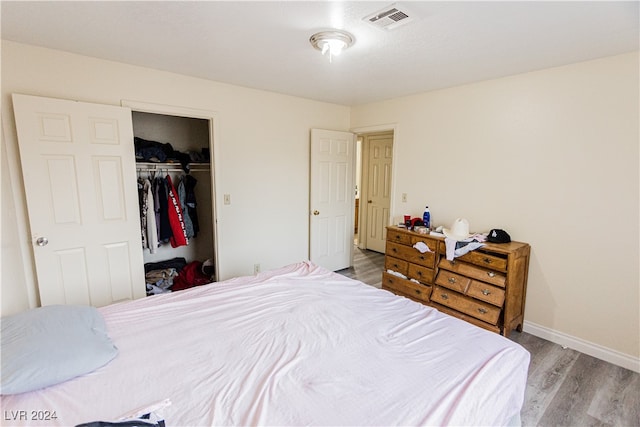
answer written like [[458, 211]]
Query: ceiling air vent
[[389, 18]]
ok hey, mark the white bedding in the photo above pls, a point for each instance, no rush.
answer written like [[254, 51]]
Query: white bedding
[[295, 346]]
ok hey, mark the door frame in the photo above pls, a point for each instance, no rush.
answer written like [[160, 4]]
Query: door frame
[[10, 144], [212, 118], [362, 214]]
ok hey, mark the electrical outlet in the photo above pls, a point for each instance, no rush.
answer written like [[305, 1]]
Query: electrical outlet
[[227, 199], [404, 197], [256, 268]]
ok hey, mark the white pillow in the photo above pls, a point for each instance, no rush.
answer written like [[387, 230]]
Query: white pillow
[[50, 345]]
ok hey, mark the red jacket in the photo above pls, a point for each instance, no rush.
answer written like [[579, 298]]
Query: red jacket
[[176, 218]]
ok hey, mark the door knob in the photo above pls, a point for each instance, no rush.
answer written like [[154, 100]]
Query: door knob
[[369, 201], [42, 241], [316, 212]]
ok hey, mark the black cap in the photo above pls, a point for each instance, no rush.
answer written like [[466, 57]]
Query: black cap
[[498, 236]]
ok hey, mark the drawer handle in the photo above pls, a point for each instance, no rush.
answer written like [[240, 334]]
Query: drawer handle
[[397, 237], [491, 274], [396, 266], [394, 250], [418, 291], [444, 296], [482, 310], [487, 260], [420, 273], [485, 292], [422, 257], [452, 280]]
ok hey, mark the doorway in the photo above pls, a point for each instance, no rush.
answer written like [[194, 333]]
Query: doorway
[[373, 197]]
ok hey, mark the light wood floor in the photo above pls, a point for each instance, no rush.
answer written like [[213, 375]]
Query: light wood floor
[[565, 387]]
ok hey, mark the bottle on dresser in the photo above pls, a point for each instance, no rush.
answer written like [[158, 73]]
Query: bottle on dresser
[[426, 217]]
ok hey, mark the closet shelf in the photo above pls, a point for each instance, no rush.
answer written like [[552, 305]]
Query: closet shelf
[[171, 167]]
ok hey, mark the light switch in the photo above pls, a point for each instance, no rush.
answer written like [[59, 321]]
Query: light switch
[[404, 197], [227, 199]]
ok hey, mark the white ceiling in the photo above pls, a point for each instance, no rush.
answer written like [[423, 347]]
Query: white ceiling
[[265, 45]]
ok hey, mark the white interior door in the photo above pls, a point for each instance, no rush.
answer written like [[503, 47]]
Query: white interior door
[[78, 165], [332, 198], [378, 200]]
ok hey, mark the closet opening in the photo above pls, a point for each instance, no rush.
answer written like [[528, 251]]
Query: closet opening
[[175, 166]]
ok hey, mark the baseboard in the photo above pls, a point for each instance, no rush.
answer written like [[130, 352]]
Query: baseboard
[[586, 347]]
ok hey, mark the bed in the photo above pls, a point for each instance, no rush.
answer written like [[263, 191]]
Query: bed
[[294, 346]]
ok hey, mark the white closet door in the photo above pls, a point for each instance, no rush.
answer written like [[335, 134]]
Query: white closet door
[[78, 165]]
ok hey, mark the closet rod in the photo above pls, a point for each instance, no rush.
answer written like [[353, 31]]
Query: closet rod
[[194, 167], [169, 170]]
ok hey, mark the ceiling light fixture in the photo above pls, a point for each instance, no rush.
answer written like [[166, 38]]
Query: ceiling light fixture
[[332, 42]]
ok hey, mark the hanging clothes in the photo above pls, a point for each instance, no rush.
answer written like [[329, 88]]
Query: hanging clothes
[[143, 207], [156, 206], [165, 231], [149, 232], [190, 200], [151, 228], [182, 196], [176, 218]]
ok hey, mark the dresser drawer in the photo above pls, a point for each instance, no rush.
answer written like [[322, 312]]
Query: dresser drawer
[[486, 260], [472, 320], [398, 237], [453, 281], [486, 275], [427, 259], [406, 287], [478, 309], [396, 264], [421, 273], [411, 254], [485, 292], [431, 243], [398, 250]]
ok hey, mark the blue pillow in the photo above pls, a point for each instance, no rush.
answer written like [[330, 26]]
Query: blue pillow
[[50, 345]]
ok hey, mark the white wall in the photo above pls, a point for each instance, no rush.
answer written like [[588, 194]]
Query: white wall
[[262, 156], [551, 157]]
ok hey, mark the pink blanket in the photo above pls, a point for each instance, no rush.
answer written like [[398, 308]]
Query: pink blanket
[[295, 346]]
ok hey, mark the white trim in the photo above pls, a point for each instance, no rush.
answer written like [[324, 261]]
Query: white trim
[[170, 110], [376, 128], [20, 205], [216, 197], [586, 347]]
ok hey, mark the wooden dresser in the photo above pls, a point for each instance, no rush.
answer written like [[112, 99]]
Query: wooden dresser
[[486, 287]]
